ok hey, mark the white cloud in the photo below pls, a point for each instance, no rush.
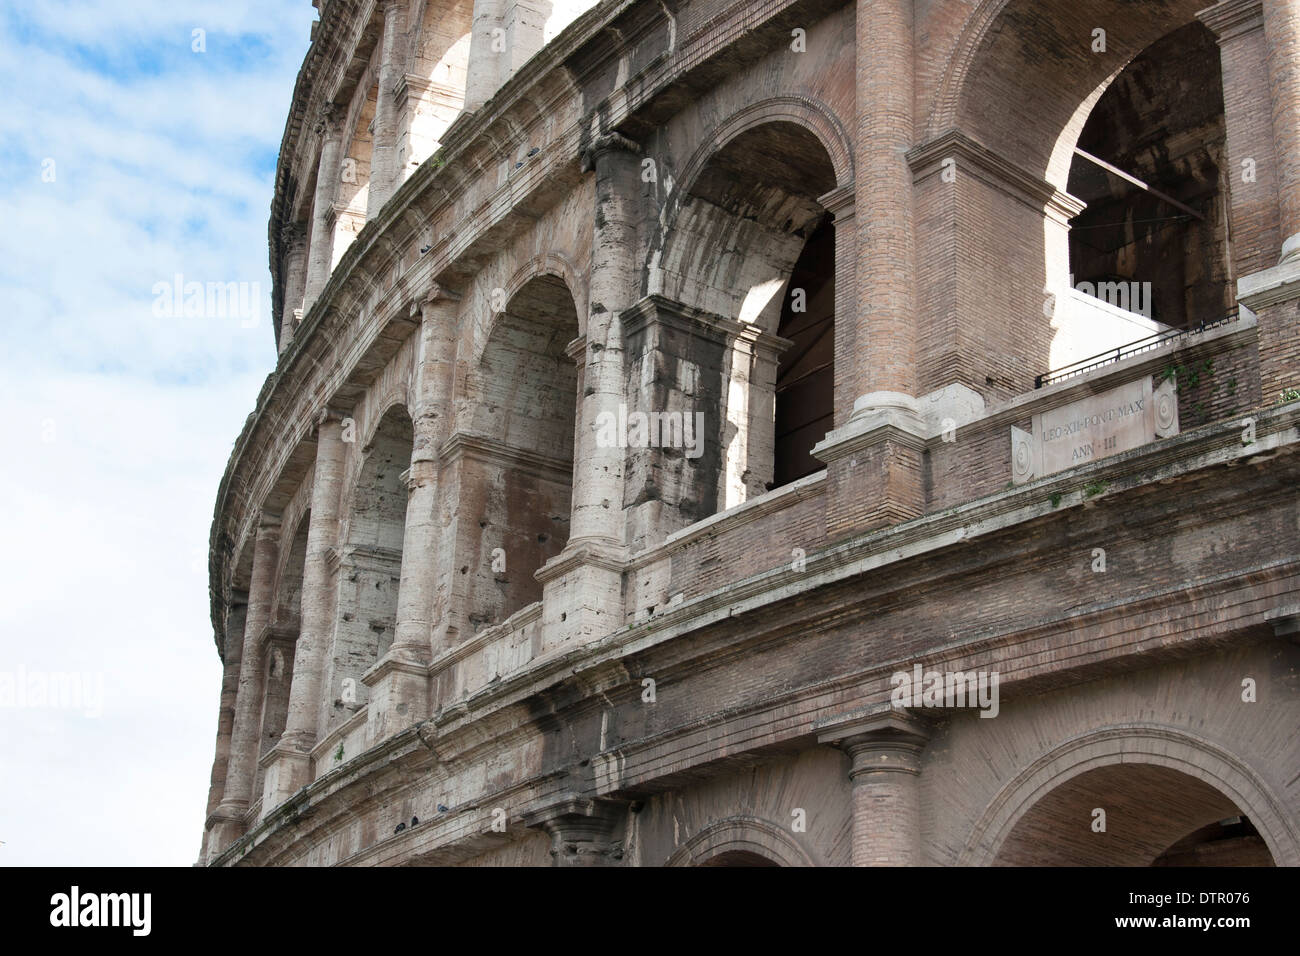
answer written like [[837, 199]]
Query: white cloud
[[119, 422]]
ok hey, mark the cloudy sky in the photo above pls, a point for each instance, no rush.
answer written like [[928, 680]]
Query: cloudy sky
[[129, 157]]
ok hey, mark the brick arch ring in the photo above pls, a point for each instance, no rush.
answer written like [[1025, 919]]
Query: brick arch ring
[[812, 114], [803, 111], [947, 101], [1135, 743], [742, 833]]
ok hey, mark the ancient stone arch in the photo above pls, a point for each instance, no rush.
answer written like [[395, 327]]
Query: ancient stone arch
[[1153, 745], [741, 834], [1054, 83]]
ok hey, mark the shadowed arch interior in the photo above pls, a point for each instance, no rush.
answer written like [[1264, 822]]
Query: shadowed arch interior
[[752, 244], [1161, 121], [516, 511], [1152, 814], [370, 564], [994, 310], [280, 644]]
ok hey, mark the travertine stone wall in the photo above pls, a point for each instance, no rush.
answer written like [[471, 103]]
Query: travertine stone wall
[[497, 222]]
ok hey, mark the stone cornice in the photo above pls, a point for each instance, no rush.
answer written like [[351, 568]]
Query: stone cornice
[[480, 448], [1212, 445], [658, 309], [973, 157], [387, 769], [1272, 286], [1233, 18]]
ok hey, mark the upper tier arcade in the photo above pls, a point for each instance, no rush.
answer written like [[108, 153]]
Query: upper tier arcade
[[762, 350]]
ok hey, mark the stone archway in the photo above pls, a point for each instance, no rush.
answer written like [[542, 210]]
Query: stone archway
[[741, 840], [370, 565], [1158, 786], [750, 244], [519, 450]]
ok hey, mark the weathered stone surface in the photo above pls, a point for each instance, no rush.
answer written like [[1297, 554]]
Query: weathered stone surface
[[445, 587]]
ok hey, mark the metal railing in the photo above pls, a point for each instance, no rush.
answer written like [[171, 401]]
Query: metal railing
[[1127, 351]]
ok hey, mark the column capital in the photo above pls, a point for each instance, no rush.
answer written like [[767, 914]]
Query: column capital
[[436, 295], [839, 202], [292, 233], [423, 471], [878, 741], [583, 831], [605, 144], [329, 120], [331, 413]]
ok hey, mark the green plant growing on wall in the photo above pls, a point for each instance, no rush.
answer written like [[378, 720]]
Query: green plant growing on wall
[[338, 754], [1055, 499], [1094, 488], [1289, 395], [1187, 378]]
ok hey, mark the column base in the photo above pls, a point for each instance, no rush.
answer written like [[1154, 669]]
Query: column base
[[582, 593], [399, 692], [1290, 249], [225, 826], [286, 770], [1274, 296], [874, 464]]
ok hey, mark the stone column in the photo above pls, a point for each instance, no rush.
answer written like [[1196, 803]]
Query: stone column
[[1282, 33], [384, 174], [598, 471], [582, 586], [583, 832], [291, 767], [874, 462], [294, 277], [232, 651], [486, 53], [400, 682], [525, 25], [885, 750], [330, 129], [241, 770]]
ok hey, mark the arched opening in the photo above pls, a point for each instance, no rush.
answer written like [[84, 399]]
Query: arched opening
[[805, 376], [354, 178], [996, 295], [519, 463], [370, 564], [1133, 814], [1153, 238], [280, 644], [436, 79], [753, 245]]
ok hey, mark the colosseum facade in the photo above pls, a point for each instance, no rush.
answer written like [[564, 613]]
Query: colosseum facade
[[773, 433]]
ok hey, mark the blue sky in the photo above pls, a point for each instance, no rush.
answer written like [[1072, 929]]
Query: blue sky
[[128, 158]]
